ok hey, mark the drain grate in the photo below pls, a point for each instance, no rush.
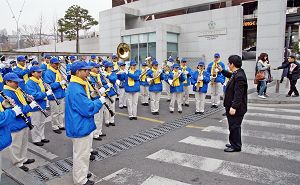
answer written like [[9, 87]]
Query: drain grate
[[61, 167]]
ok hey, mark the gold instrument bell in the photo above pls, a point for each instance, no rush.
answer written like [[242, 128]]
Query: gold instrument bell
[[123, 51]]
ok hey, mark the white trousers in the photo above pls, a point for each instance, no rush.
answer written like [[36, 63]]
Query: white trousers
[[107, 117], [99, 122], [57, 114], [155, 97], [185, 95], [122, 97], [18, 148], [177, 96], [167, 87], [81, 158], [144, 94], [132, 102], [38, 131], [200, 101], [215, 93]]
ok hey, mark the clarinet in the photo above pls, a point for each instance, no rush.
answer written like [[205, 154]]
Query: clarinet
[[99, 85], [32, 100], [22, 115], [107, 81], [99, 94], [47, 87]]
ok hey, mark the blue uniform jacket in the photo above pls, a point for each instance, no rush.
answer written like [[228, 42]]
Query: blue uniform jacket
[[6, 118], [112, 78], [20, 72], [155, 87], [68, 71], [6, 70], [32, 88], [18, 123], [121, 77], [44, 67], [58, 91], [220, 78], [178, 88], [206, 80], [136, 78], [188, 76], [79, 111]]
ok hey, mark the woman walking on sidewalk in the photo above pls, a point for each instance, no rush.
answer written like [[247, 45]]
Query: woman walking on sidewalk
[[293, 75], [263, 65]]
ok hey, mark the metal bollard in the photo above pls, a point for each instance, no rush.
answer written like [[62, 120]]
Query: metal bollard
[[277, 86]]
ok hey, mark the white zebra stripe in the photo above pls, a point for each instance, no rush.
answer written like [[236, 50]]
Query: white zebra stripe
[[276, 116], [161, 181], [232, 169], [258, 134], [270, 109], [247, 148]]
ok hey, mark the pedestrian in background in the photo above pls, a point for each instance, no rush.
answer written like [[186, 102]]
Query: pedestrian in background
[[263, 65]]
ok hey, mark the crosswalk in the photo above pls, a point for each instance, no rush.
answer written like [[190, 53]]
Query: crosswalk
[[263, 141]]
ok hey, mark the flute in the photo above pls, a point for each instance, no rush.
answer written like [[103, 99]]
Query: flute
[[22, 115]]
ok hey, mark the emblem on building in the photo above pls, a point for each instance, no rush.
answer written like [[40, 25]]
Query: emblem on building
[[211, 25]]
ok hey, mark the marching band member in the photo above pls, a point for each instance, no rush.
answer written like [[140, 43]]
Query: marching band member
[[6, 118], [93, 59], [18, 127], [132, 89], [187, 71], [35, 63], [95, 79], [111, 82], [144, 85], [79, 119], [72, 59], [156, 76], [54, 78], [36, 89], [121, 76], [21, 71], [200, 80], [1, 81], [217, 79], [45, 64], [170, 64], [115, 63], [176, 79]]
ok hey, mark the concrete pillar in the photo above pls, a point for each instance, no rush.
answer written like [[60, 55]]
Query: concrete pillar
[[271, 22], [161, 44]]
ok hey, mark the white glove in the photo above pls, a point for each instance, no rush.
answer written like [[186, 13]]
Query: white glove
[[186, 72], [17, 110], [149, 79], [33, 104], [160, 71], [109, 85], [49, 92], [118, 82], [167, 72], [102, 99], [179, 71], [94, 94], [63, 82], [6, 103], [102, 90], [201, 77], [104, 74], [170, 81], [126, 71], [2, 66]]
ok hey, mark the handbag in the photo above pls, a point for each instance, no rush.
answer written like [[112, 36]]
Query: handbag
[[260, 75]]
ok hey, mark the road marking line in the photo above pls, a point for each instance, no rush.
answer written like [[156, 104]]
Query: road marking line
[[257, 134], [228, 168], [143, 118], [273, 109], [41, 151], [276, 116], [161, 181], [195, 126], [271, 124], [247, 148]]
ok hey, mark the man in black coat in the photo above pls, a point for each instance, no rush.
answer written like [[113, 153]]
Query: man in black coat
[[293, 75], [235, 101]]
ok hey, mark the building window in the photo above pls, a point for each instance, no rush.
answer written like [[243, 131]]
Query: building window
[[172, 45]]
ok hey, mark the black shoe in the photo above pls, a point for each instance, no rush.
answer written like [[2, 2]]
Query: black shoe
[[98, 138], [57, 131], [125, 107], [62, 128], [179, 112], [143, 104], [213, 106], [94, 152], [45, 140], [295, 95], [135, 118], [157, 113], [197, 112], [24, 168], [29, 161], [131, 118], [38, 143], [168, 100], [288, 95], [201, 113], [228, 145], [187, 105], [92, 157], [224, 114], [112, 124], [121, 107], [153, 113], [107, 124], [102, 135], [89, 175], [89, 182], [231, 150], [146, 104], [171, 111]]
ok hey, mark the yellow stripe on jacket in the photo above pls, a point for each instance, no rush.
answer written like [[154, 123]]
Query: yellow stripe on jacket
[[176, 82], [85, 84], [25, 77], [130, 80], [58, 77]]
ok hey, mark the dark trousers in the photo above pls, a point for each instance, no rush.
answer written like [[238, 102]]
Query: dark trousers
[[234, 123], [293, 88]]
